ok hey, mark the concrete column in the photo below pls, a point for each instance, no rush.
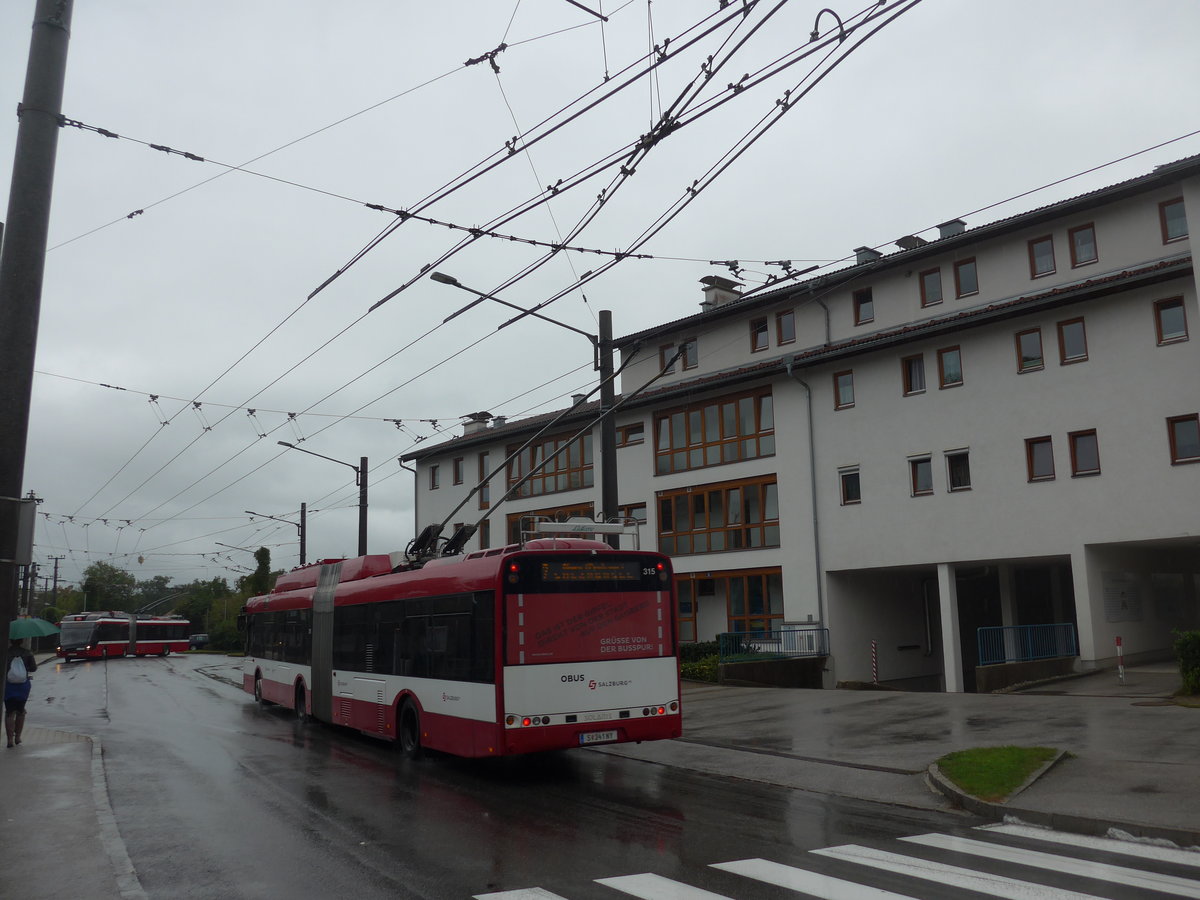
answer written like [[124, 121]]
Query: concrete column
[[951, 649], [1089, 603], [1008, 607]]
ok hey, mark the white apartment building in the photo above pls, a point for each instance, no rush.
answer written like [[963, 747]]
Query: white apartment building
[[999, 426]]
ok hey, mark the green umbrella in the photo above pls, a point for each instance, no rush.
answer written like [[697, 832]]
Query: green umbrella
[[25, 628]]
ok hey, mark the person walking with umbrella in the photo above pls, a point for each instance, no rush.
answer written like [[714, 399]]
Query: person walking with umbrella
[[18, 680]]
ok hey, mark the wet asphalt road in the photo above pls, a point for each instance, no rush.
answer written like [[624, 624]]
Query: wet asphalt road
[[217, 797]]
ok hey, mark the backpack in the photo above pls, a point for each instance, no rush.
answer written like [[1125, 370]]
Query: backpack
[[16, 671]]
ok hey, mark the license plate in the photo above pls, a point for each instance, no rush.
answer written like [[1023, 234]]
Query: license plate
[[597, 737]]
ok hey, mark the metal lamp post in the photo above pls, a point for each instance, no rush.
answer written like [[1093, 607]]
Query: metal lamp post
[[360, 478], [301, 526], [602, 346]]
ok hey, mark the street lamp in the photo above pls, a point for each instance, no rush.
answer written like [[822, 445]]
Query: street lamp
[[602, 346], [301, 526], [360, 478]]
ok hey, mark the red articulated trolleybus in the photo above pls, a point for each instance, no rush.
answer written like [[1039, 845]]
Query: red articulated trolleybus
[[97, 635], [553, 643]]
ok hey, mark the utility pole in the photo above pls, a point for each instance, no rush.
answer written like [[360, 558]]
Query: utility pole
[[22, 265], [608, 426], [54, 589]]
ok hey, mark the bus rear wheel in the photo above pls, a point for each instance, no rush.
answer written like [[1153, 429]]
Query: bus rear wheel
[[301, 705], [409, 731], [258, 693]]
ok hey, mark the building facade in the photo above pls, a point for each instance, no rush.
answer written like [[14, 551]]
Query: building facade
[[999, 426]]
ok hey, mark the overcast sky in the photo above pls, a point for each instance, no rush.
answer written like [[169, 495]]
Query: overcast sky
[[201, 297]]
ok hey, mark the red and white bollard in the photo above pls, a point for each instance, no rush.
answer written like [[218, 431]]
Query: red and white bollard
[[1120, 661], [874, 662]]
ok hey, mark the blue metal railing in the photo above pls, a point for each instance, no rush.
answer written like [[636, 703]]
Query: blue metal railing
[[788, 642], [1020, 643]]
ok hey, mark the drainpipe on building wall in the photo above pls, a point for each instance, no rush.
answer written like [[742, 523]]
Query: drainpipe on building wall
[[812, 477]]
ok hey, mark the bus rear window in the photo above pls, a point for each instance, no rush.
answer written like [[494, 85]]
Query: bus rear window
[[557, 628]]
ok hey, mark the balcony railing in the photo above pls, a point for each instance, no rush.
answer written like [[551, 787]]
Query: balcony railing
[[1021, 643], [736, 646]]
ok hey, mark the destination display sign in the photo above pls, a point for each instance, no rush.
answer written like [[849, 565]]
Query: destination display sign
[[578, 569]]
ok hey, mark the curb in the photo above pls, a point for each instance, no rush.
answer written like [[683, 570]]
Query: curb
[[1118, 830]]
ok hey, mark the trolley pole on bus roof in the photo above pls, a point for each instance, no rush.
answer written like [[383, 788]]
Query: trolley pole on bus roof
[[22, 266]]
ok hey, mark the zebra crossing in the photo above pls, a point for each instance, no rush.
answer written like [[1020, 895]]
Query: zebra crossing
[[954, 863]]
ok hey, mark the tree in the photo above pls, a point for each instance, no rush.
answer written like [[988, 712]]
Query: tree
[[107, 587], [153, 589], [260, 581]]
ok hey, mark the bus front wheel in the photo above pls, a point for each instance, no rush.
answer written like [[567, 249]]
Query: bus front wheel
[[410, 731], [301, 705]]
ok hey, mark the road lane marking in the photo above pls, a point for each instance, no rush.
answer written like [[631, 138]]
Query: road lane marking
[[1108, 845], [536, 893], [806, 882], [1168, 884], [954, 876], [654, 887]]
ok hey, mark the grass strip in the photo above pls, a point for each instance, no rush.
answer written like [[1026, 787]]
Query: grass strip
[[993, 773]]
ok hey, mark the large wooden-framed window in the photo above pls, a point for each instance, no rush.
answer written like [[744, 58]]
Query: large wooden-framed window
[[1184, 432], [632, 511], [966, 278], [1029, 350], [558, 513], [931, 287], [1072, 341], [710, 518], [1172, 216], [1083, 245], [1085, 452], [1170, 320], [685, 618], [1041, 256], [553, 471], [724, 430], [752, 599], [485, 488], [785, 327], [1039, 458]]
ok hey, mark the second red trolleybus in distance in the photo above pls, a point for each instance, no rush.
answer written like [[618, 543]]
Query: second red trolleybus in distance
[[98, 635], [553, 643]]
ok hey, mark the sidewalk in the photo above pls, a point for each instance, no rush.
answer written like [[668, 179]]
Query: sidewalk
[[1131, 765], [1132, 769]]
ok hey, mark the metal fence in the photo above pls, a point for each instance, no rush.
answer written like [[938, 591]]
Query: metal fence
[[788, 642], [1020, 643]]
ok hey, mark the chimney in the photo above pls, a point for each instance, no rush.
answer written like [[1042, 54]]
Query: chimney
[[476, 422], [865, 255], [911, 242], [577, 399], [718, 291], [951, 228], [498, 421]]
